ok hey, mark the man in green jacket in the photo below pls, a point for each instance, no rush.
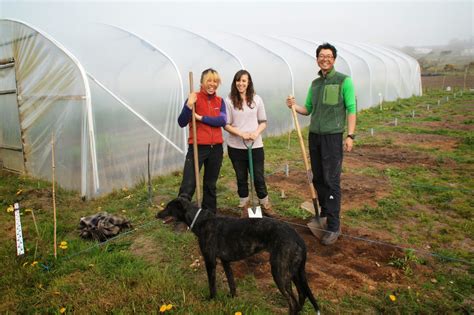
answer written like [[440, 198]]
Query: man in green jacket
[[329, 98]]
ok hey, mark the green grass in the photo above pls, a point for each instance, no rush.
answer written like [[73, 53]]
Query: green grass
[[150, 266]]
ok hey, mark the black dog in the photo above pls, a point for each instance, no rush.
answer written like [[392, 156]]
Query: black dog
[[232, 239]]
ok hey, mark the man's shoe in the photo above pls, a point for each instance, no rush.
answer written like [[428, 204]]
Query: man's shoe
[[330, 237], [318, 228]]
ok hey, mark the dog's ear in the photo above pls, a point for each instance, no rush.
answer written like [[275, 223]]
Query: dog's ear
[[183, 202], [168, 210]]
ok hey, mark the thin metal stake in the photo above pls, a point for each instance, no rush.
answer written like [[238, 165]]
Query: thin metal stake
[[149, 177], [54, 197], [372, 132]]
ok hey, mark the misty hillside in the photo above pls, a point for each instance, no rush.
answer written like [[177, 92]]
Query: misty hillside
[[457, 55]]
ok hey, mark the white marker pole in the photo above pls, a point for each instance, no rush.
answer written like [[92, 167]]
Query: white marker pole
[[20, 250]]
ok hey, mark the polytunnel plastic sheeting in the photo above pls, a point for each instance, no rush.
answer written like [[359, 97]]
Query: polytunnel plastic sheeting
[[380, 73], [348, 63], [411, 72], [309, 46], [373, 80], [137, 93], [51, 99], [404, 88], [361, 76], [138, 73], [393, 88], [122, 142], [270, 74], [303, 65], [193, 52]]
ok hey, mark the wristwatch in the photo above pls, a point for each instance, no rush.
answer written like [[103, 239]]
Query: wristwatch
[[352, 136]]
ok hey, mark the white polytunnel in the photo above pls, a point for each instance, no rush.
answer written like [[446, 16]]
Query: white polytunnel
[[107, 91], [271, 75]]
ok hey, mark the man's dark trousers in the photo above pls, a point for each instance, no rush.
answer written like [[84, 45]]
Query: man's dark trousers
[[326, 153], [211, 157]]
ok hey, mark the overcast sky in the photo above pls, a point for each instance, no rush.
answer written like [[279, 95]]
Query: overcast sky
[[395, 23]]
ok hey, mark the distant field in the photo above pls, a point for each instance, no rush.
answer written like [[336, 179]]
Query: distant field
[[443, 81]]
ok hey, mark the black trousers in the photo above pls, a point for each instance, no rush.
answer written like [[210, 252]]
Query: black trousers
[[326, 152], [211, 157], [240, 162]]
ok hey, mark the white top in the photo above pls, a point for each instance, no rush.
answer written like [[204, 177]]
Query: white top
[[245, 120]]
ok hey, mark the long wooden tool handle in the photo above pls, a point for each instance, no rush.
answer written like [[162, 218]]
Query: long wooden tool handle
[[195, 146], [303, 152]]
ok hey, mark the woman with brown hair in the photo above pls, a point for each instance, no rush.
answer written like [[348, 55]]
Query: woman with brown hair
[[246, 120]]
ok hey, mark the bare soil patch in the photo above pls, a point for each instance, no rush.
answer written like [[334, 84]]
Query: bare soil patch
[[439, 82], [383, 157], [425, 141], [352, 266]]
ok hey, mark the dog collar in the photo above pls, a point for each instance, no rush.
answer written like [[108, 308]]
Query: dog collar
[[195, 218]]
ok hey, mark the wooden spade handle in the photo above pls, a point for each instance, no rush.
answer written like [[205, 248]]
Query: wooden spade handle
[[303, 152], [195, 146]]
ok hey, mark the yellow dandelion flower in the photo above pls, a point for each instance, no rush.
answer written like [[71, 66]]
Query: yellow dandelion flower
[[169, 306], [64, 247], [34, 263], [238, 313], [163, 308], [63, 243], [392, 297], [10, 208], [62, 310]]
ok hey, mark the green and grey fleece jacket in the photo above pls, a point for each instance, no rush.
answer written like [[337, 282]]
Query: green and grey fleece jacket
[[329, 98]]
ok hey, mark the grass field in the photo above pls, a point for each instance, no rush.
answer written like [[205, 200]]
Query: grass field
[[407, 245]]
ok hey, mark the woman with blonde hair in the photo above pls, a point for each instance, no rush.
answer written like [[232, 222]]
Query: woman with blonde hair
[[210, 118]]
